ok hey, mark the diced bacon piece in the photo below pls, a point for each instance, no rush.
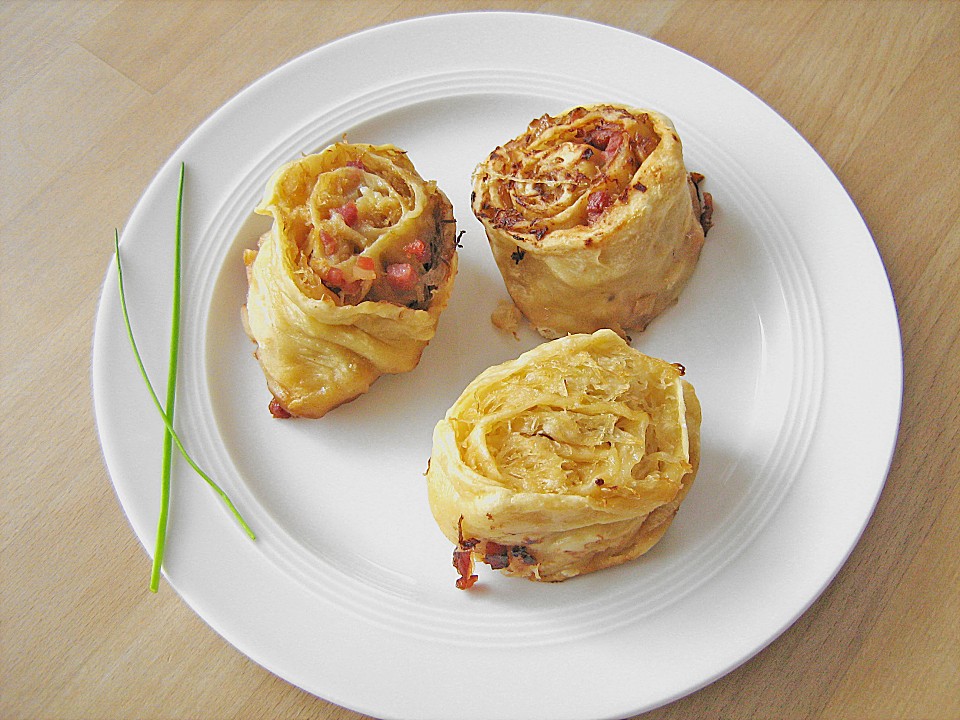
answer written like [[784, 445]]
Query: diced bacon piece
[[364, 268], [597, 202], [600, 136], [401, 276], [496, 555], [330, 244], [418, 250], [647, 145], [616, 140], [349, 213], [463, 562], [334, 276], [278, 410]]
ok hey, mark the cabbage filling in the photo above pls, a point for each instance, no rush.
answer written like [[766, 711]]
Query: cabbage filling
[[600, 431]]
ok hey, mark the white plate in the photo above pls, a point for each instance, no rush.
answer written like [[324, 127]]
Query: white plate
[[787, 330]]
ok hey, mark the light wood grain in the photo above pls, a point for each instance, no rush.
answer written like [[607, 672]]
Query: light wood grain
[[96, 95]]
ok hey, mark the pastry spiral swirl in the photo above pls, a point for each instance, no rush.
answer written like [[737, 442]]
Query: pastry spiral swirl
[[350, 281], [592, 217], [571, 458]]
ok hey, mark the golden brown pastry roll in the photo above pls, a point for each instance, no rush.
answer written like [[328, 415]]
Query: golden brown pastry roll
[[350, 281], [571, 458], [592, 217]]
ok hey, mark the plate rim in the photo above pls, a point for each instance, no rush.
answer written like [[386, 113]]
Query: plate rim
[[153, 188]]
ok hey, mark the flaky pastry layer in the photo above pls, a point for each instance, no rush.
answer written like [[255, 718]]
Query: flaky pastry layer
[[592, 217], [350, 281], [571, 458]]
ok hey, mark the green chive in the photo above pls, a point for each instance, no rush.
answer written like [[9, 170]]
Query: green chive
[[170, 436], [166, 461]]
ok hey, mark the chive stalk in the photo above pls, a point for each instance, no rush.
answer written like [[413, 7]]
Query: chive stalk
[[167, 459], [170, 438]]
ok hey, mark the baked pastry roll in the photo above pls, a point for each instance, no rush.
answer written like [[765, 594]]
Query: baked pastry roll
[[571, 458], [350, 281], [593, 219]]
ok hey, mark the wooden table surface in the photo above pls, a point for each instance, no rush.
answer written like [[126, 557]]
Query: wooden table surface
[[96, 95]]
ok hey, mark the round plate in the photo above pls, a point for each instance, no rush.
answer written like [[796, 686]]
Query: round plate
[[787, 330]]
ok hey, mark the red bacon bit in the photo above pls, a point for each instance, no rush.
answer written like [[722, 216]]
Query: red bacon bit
[[463, 558], [401, 276], [496, 555], [616, 140], [647, 145], [597, 203], [349, 213], [330, 244], [418, 250], [463, 562], [607, 138], [278, 410], [334, 278], [600, 136], [356, 164]]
